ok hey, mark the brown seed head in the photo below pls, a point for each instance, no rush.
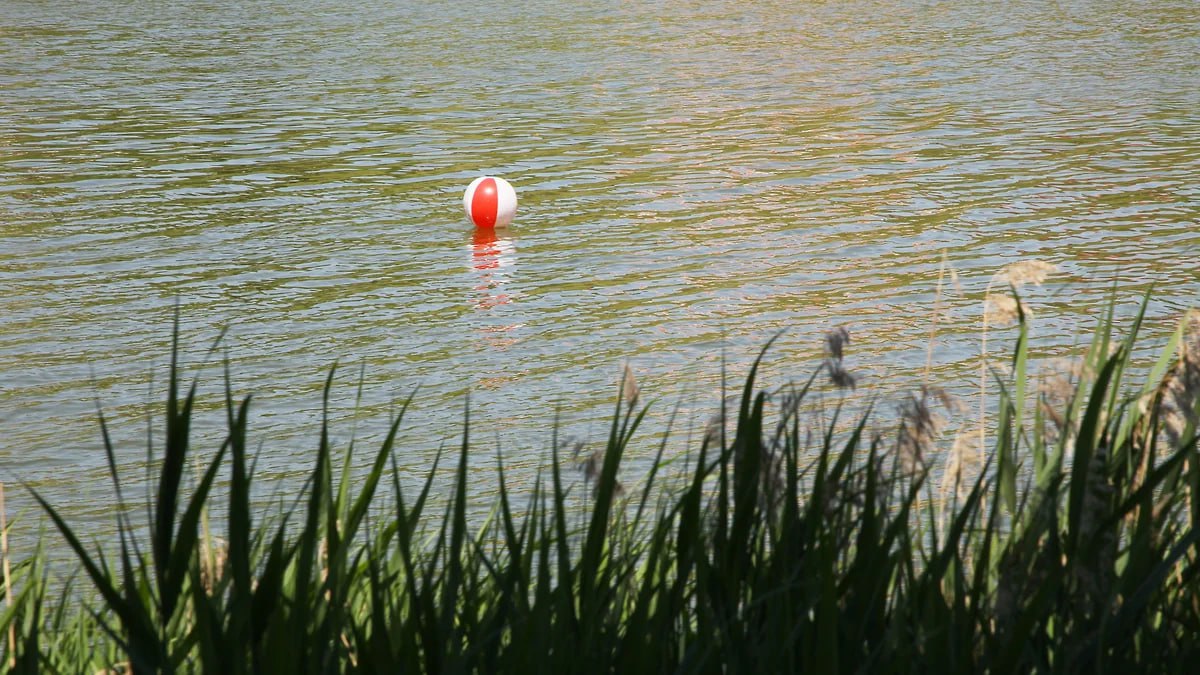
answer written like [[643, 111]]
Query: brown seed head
[[629, 387], [835, 340]]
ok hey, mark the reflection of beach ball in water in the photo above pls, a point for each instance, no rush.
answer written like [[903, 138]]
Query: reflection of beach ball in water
[[490, 202]]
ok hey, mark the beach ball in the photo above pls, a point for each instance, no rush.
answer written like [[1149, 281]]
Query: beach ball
[[490, 202]]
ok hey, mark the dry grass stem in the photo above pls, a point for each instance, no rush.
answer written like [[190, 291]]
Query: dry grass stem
[[961, 463], [937, 315], [8, 596], [213, 563]]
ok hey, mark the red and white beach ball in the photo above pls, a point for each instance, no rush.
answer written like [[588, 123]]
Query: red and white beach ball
[[490, 202]]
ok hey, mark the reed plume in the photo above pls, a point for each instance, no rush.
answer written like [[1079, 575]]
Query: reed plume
[[1000, 310], [1004, 310], [920, 425], [1024, 272], [962, 463], [835, 341], [589, 463], [1181, 386], [630, 391]]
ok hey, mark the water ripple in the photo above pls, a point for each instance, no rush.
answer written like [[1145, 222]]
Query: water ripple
[[692, 180]]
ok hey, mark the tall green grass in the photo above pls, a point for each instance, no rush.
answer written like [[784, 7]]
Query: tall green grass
[[1073, 549]]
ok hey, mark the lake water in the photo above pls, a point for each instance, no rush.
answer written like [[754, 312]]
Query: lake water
[[693, 178]]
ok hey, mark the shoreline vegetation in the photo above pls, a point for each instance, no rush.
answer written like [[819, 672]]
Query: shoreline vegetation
[[1069, 543]]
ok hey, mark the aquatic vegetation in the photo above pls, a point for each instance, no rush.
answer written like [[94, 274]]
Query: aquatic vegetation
[[779, 547]]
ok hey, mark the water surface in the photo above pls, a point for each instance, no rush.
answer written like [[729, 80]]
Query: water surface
[[693, 178]]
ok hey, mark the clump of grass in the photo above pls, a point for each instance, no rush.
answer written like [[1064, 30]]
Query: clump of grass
[[780, 548]]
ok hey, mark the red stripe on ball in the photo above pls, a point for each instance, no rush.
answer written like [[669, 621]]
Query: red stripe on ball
[[485, 203]]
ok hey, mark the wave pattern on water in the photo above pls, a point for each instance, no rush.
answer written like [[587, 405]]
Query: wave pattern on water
[[693, 177]]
